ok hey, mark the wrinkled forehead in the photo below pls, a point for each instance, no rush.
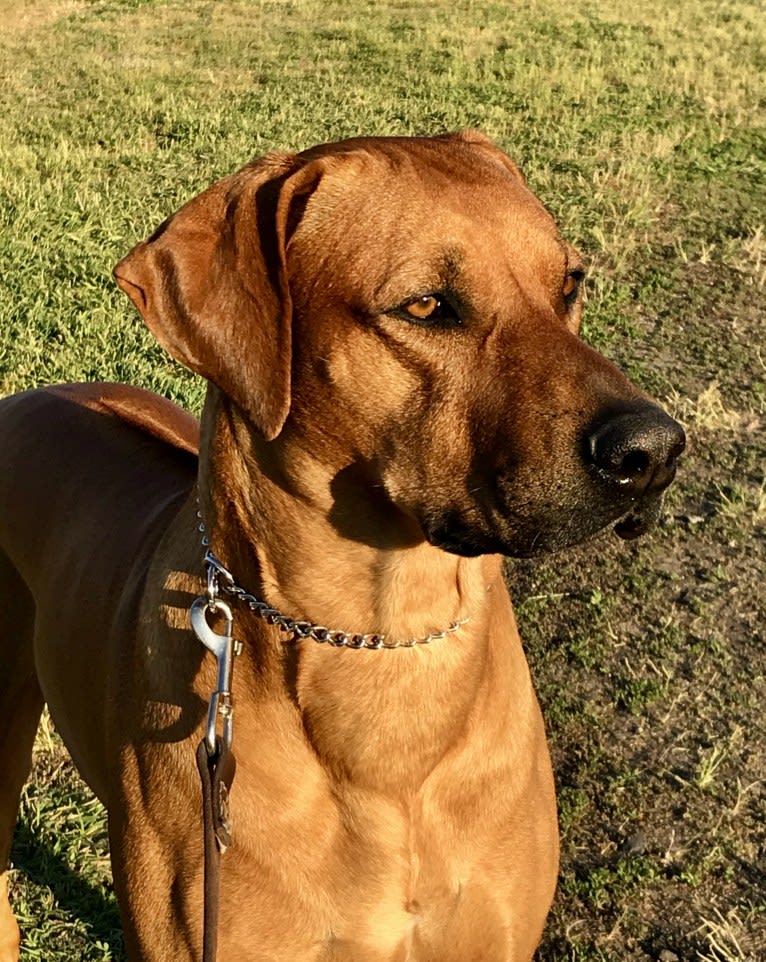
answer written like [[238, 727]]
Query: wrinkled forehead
[[420, 206]]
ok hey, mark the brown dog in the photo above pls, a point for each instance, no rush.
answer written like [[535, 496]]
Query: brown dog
[[397, 397]]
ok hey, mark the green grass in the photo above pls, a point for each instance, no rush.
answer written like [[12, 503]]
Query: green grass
[[642, 126]]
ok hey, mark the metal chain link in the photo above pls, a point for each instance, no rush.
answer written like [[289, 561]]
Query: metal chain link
[[220, 578]]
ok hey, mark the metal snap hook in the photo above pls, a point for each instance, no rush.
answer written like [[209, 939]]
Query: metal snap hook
[[224, 648]]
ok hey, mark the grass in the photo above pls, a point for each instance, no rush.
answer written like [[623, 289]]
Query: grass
[[642, 126], [726, 939]]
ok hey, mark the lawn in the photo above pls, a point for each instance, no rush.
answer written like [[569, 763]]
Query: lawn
[[642, 126]]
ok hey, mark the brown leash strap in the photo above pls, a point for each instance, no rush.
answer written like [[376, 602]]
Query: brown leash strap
[[216, 773]]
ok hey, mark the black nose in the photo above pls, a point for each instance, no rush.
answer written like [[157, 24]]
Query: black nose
[[638, 450]]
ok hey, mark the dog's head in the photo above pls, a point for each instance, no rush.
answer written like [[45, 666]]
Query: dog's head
[[407, 310]]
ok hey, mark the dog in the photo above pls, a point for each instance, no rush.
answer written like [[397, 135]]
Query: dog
[[397, 398]]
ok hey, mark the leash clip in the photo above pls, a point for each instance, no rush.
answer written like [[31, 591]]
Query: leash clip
[[225, 649], [216, 573]]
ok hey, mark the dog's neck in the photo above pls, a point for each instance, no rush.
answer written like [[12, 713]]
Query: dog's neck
[[371, 568], [404, 588]]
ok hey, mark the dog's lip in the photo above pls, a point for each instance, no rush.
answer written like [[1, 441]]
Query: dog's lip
[[642, 516]]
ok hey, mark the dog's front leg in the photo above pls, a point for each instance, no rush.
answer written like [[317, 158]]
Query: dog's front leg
[[155, 833]]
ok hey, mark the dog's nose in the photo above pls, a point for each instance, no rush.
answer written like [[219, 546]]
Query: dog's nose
[[638, 449]]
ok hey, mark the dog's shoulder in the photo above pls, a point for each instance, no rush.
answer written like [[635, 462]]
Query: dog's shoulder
[[141, 409]]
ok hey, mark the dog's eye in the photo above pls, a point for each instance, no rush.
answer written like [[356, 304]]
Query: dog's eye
[[430, 310], [572, 283]]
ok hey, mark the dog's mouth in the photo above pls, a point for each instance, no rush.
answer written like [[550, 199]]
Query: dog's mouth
[[460, 534], [642, 516]]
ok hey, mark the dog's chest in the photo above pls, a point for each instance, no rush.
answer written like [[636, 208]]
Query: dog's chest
[[369, 844], [362, 880], [458, 924], [364, 921]]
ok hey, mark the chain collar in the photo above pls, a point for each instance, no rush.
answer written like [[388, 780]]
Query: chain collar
[[221, 580]]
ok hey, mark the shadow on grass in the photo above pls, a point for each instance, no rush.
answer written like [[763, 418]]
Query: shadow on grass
[[87, 901]]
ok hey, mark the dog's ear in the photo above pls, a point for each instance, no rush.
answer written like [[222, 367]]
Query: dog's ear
[[211, 283], [477, 139]]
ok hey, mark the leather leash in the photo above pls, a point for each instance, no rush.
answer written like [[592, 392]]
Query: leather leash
[[216, 774]]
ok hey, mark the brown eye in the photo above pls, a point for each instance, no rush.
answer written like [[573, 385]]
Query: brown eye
[[423, 307], [430, 310]]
